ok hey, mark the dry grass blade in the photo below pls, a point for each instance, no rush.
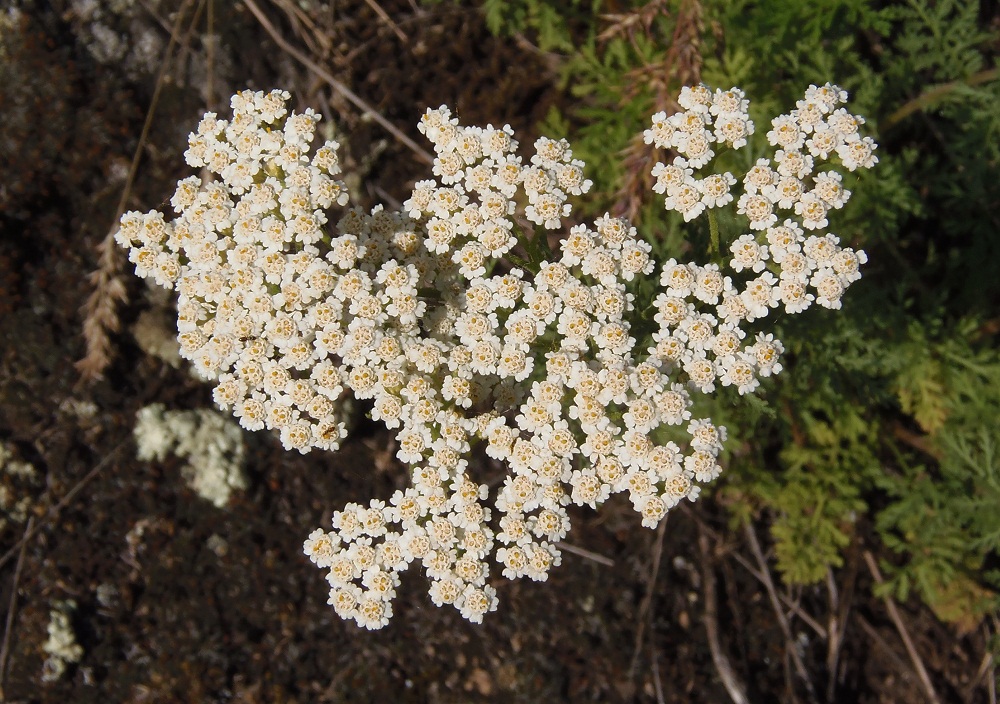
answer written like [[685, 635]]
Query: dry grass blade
[[350, 95], [586, 554], [897, 620], [836, 631], [101, 308], [932, 95], [657, 684], [788, 603], [772, 593], [681, 66], [315, 38], [12, 606], [384, 16], [647, 600], [991, 684], [985, 672], [627, 23], [905, 672], [63, 502], [841, 600], [735, 688]]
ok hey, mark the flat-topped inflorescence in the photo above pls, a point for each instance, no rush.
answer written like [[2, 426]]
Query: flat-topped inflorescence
[[460, 327]]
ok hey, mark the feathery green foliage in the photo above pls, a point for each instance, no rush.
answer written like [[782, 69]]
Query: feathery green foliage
[[889, 414]]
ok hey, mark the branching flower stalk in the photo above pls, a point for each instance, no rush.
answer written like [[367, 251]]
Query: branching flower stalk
[[457, 339]]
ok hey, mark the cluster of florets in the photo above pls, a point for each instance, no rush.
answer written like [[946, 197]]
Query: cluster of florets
[[257, 295], [791, 184], [547, 364]]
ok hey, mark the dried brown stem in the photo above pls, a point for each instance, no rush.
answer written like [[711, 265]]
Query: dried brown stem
[[316, 39], [681, 66], [647, 600], [626, 24], [790, 648], [586, 554], [915, 440], [732, 683], [12, 606], [792, 607], [384, 16], [657, 683], [905, 671], [836, 639], [934, 95], [101, 308], [918, 663], [986, 668], [421, 153], [63, 502]]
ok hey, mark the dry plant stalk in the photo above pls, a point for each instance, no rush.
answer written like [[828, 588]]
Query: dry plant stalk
[[419, 152], [101, 309], [772, 593], [12, 606], [897, 620], [681, 66], [723, 667], [626, 24]]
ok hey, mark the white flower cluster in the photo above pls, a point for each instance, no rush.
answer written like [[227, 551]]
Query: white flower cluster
[[549, 363], [255, 300], [812, 133]]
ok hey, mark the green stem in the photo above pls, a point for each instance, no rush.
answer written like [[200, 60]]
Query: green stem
[[933, 95], [713, 225]]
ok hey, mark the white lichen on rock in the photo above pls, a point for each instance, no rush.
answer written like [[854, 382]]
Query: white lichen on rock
[[211, 443], [16, 479], [61, 646]]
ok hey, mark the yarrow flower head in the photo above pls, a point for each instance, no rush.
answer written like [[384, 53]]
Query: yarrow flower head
[[456, 325]]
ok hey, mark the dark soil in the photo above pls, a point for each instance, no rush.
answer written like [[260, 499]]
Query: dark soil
[[162, 617]]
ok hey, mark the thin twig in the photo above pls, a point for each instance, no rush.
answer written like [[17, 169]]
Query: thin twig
[[586, 554], [918, 663], [794, 608], [350, 95], [991, 669], [187, 41], [933, 95], [985, 667], [657, 684], [387, 198], [905, 671], [210, 56], [647, 600], [735, 688], [384, 16], [157, 17], [836, 639], [54, 511], [319, 43], [793, 651], [12, 606]]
